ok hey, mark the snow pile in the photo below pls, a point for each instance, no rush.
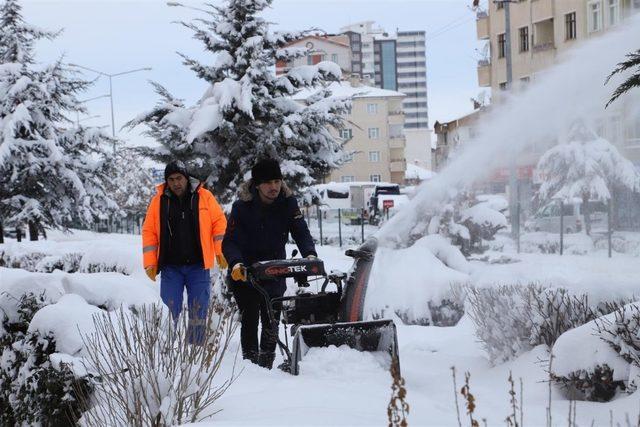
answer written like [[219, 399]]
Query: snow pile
[[16, 283], [600, 357], [66, 320], [413, 282]]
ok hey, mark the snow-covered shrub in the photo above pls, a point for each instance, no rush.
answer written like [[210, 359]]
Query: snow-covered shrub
[[502, 325], [416, 282], [512, 319], [597, 385], [33, 390], [26, 261], [586, 365], [69, 263], [622, 332], [150, 374]]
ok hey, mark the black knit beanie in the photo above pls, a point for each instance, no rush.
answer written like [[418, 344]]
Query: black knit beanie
[[265, 170], [176, 166]]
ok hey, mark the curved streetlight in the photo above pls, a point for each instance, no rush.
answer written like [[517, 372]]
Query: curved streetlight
[[111, 76]]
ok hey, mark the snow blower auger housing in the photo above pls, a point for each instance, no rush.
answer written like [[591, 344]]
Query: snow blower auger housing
[[330, 316]]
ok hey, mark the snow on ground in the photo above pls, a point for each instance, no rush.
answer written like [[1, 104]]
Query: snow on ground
[[338, 386]]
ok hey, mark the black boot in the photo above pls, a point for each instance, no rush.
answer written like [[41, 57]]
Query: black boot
[[251, 356], [266, 359]]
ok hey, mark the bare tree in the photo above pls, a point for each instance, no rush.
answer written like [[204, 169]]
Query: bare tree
[[148, 374]]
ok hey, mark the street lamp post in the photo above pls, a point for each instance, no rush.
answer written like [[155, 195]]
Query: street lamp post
[[514, 196], [111, 76]]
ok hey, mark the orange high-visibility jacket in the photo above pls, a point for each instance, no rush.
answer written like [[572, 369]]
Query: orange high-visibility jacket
[[212, 225]]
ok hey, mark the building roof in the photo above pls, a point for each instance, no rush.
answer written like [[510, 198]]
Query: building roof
[[322, 38], [458, 121], [344, 89]]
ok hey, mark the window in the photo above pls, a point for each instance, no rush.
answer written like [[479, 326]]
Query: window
[[374, 178], [309, 60], [503, 86], [346, 134], [524, 39], [614, 12], [347, 178], [594, 16], [502, 46], [524, 81], [374, 156], [334, 57], [570, 26], [499, 5], [372, 108], [374, 133]]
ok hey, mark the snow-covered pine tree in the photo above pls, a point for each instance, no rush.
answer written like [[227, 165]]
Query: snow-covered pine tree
[[248, 112], [49, 174], [132, 186], [585, 167]]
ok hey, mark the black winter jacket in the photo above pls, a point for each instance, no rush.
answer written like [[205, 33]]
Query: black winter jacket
[[259, 232]]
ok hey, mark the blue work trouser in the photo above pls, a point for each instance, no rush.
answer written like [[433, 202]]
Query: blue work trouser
[[173, 280]]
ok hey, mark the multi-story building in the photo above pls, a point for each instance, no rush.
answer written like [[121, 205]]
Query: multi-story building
[[451, 134], [398, 62], [539, 32], [373, 134], [334, 48]]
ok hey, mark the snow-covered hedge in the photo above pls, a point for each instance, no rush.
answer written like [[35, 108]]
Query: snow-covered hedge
[[418, 283], [512, 319], [34, 390], [600, 358], [86, 258]]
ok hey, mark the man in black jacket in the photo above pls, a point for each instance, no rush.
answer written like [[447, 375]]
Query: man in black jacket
[[257, 230]]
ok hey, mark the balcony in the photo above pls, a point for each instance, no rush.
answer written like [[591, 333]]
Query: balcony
[[397, 165], [542, 47], [484, 73], [397, 141], [396, 113], [482, 26]]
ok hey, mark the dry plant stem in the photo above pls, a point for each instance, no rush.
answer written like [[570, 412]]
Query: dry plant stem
[[455, 394]]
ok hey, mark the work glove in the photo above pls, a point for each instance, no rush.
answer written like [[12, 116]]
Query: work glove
[[151, 272], [239, 273], [222, 262]]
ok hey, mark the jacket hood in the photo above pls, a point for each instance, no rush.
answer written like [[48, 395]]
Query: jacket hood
[[248, 191]]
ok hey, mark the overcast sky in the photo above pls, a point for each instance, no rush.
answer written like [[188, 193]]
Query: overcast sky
[[115, 36]]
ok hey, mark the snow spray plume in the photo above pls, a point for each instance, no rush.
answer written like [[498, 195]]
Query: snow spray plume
[[572, 89]]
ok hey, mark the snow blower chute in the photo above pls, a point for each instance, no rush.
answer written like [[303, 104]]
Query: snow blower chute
[[327, 317]]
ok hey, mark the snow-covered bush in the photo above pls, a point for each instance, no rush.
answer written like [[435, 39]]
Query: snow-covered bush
[[69, 263], [33, 390], [500, 319], [622, 332], [416, 282], [586, 365], [512, 319], [549, 243], [27, 261], [150, 374]]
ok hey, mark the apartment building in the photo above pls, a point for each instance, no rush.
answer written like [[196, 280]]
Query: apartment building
[[398, 62], [539, 32], [451, 134], [334, 48], [373, 134]]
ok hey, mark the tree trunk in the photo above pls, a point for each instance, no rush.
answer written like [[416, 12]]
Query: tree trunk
[[19, 234], [1, 233], [33, 231], [585, 212]]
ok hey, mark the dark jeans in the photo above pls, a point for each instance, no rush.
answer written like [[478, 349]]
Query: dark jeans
[[173, 280], [253, 309]]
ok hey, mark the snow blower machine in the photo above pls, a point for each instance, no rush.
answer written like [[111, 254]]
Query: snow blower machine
[[329, 316]]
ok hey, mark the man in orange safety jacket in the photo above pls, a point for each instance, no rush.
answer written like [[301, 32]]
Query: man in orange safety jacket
[[181, 236]]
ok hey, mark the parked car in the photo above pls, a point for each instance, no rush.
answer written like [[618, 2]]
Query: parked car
[[548, 217]]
